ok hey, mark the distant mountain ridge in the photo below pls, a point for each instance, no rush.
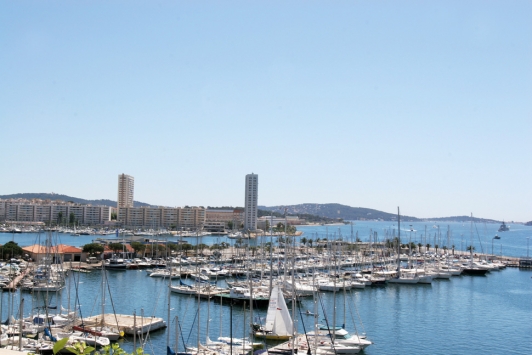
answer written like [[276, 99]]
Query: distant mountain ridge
[[338, 211], [348, 213], [53, 197]]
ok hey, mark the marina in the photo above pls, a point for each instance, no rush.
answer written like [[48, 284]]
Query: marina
[[394, 318]]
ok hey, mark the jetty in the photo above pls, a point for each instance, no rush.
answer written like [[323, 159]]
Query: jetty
[[129, 324], [12, 286]]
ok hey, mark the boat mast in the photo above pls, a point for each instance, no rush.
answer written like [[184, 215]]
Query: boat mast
[[398, 242]]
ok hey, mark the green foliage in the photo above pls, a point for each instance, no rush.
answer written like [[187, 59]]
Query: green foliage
[[201, 247], [138, 247], [116, 247], [93, 248], [59, 345], [11, 250], [113, 216], [71, 218], [81, 348]]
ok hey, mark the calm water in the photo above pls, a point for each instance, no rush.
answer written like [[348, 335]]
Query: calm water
[[464, 315]]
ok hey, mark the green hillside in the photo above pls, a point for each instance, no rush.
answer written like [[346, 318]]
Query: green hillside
[[337, 211]]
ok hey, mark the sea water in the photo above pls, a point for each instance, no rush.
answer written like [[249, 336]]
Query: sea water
[[464, 315], [489, 314]]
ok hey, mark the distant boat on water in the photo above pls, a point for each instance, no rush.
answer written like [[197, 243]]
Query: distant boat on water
[[503, 227]]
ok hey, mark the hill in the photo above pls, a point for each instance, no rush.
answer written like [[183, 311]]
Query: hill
[[53, 197], [461, 219], [338, 211]]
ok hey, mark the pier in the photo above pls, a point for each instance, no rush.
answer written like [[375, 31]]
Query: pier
[[12, 286], [129, 324]]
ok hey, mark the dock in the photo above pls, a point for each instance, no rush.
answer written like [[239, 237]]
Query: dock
[[129, 324], [12, 286]]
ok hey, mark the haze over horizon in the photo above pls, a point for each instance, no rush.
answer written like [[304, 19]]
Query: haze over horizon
[[422, 105]]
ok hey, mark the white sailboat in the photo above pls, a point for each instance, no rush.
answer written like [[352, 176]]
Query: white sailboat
[[279, 325]]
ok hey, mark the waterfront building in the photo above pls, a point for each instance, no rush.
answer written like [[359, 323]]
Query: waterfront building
[[235, 216], [266, 221], [181, 218], [251, 202], [58, 253], [36, 210], [126, 188]]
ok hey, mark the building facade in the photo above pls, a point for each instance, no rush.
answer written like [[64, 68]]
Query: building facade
[[180, 218], [126, 189], [52, 211], [220, 220], [251, 202]]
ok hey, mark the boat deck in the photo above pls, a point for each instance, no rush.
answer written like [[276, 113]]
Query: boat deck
[[128, 323]]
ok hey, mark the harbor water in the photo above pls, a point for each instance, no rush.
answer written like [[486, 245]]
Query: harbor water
[[489, 314]]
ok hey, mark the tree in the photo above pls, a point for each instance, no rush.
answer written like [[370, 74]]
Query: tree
[[470, 248], [304, 241], [11, 250], [93, 248], [71, 218], [59, 217], [419, 245], [138, 247], [436, 247], [253, 250], [310, 241], [116, 247], [291, 230], [427, 247], [185, 247], [230, 225], [452, 248], [113, 216], [200, 247], [172, 246]]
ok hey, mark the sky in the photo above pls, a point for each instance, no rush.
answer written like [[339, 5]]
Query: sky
[[426, 105]]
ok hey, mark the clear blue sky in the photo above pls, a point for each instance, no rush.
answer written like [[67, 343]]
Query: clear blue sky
[[425, 105]]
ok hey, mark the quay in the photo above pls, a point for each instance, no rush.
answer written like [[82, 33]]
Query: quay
[[12, 286], [129, 324]]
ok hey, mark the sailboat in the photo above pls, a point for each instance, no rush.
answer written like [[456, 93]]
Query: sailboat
[[402, 278], [279, 325]]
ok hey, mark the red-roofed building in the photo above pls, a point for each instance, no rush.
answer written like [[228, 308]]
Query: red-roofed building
[[58, 253]]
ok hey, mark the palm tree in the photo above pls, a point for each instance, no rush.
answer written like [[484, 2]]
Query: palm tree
[[419, 245], [453, 248], [470, 248], [436, 247], [427, 247]]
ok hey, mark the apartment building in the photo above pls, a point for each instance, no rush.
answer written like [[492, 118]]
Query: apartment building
[[50, 211], [186, 218], [126, 189], [251, 202]]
